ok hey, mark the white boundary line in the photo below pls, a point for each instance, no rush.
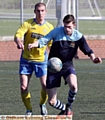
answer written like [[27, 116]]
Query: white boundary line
[[88, 37], [35, 117]]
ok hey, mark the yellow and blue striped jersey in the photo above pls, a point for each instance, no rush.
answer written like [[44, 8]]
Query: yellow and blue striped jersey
[[31, 32]]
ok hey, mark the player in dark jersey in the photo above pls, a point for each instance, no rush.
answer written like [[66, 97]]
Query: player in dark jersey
[[66, 41]]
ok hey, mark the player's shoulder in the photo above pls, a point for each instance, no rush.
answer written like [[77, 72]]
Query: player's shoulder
[[58, 30], [76, 31], [77, 35], [29, 20], [49, 25]]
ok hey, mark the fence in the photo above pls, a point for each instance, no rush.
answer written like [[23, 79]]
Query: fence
[[91, 21], [91, 14]]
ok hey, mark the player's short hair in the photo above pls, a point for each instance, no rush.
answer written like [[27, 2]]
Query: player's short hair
[[69, 18], [39, 4]]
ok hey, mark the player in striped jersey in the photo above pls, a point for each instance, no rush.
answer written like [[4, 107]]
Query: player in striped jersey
[[35, 59], [66, 41]]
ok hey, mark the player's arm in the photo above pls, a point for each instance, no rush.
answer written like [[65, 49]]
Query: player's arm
[[84, 47], [39, 43], [31, 45], [95, 59], [19, 43], [19, 35], [48, 50], [42, 41]]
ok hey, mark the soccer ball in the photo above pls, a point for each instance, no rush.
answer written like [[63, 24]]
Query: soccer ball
[[54, 65]]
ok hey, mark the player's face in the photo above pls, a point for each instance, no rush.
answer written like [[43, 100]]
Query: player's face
[[40, 13], [68, 27]]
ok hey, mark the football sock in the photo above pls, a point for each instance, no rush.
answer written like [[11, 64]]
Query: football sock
[[26, 100], [43, 97], [59, 105], [71, 97]]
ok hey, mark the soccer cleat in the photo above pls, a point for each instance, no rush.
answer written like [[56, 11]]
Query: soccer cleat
[[62, 112], [43, 109], [66, 112], [28, 113]]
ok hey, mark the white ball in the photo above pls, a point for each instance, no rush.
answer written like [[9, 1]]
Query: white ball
[[54, 65]]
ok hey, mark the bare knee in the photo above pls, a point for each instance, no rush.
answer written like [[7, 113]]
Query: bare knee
[[24, 89], [24, 82], [52, 96], [43, 82], [74, 88], [44, 87], [72, 81]]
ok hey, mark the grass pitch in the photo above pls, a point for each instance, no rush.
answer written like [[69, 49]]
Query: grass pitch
[[9, 27], [88, 105]]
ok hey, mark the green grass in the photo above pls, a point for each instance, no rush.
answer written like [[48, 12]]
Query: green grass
[[88, 105], [92, 27], [9, 27]]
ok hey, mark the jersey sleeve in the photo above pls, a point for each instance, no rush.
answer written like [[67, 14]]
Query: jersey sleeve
[[84, 47], [46, 40], [22, 30]]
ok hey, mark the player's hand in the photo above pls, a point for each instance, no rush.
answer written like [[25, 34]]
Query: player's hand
[[20, 46], [30, 46], [97, 60]]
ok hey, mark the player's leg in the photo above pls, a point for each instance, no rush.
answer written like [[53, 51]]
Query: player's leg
[[41, 72], [25, 72], [52, 83], [43, 96], [24, 83], [53, 101], [72, 81]]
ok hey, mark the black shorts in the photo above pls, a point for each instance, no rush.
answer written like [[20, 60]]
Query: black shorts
[[54, 79]]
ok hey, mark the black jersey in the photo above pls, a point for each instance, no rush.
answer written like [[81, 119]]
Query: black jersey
[[64, 46]]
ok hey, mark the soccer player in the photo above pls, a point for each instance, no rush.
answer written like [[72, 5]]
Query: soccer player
[[35, 59], [66, 41]]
